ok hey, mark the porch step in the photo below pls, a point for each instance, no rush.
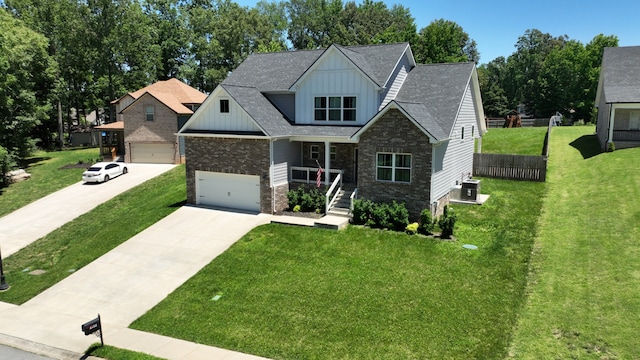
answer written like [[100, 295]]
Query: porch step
[[342, 205]]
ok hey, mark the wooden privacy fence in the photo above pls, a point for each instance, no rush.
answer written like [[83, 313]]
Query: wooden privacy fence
[[513, 167]]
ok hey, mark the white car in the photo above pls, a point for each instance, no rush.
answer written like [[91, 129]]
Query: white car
[[103, 171]]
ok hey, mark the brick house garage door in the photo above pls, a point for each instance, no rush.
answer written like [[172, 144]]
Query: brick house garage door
[[152, 153], [228, 190]]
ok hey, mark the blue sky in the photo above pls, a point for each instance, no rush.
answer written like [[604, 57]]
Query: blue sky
[[495, 25]]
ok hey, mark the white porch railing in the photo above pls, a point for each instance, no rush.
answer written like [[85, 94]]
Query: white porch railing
[[309, 174], [353, 197], [337, 183]]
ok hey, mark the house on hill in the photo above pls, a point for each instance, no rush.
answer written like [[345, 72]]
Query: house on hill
[[374, 121], [152, 116], [618, 98]]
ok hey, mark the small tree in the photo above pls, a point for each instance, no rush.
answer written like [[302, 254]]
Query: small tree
[[427, 223], [447, 222]]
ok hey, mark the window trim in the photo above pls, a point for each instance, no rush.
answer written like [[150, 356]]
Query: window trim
[[394, 167], [328, 111], [226, 107], [147, 113]]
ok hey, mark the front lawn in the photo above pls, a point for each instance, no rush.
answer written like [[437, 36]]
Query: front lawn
[[288, 292], [585, 284], [91, 235], [47, 176]]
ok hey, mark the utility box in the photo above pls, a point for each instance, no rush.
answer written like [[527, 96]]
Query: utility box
[[470, 190]]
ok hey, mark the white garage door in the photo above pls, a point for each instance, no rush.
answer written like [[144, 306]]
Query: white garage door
[[228, 190], [152, 153]]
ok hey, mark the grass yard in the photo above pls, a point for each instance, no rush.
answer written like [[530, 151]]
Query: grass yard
[[91, 235], [288, 292], [46, 177], [585, 285], [520, 141]]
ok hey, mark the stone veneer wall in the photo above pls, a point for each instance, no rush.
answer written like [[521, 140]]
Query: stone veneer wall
[[233, 156], [160, 131], [393, 132]]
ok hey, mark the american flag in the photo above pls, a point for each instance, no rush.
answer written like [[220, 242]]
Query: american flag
[[319, 175]]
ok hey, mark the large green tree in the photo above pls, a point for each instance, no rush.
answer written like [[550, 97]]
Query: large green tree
[[444, 41], [27, 76]]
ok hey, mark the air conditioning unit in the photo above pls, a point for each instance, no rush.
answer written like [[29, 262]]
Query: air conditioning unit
[[470, 190]]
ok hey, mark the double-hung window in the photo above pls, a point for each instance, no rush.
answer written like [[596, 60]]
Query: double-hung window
[[148, 111], [334, 108], [393, 167]]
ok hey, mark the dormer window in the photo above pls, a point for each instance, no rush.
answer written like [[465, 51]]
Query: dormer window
[[334, 108]]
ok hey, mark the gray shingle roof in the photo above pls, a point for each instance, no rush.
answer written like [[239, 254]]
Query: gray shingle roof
[[273, 72], [621, 74], [273, 122], [440, 88]]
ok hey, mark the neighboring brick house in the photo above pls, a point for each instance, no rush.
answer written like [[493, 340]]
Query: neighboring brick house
[[152, 116], [373, 119], [618, 98]]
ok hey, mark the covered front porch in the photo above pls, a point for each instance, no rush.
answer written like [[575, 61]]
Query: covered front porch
[[331, 166], [625, 125]]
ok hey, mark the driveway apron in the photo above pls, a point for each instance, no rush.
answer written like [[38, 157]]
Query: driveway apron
[[128, 281], [28, 224]]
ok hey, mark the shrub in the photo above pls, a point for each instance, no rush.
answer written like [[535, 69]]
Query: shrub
[[427, 223], [6, 164], [296, 208], [412, 228], [398, 216], [361, 211], [308, 201], [611, 147], [380, 216], [447, 222]]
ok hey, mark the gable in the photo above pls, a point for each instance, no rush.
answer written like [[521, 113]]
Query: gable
[[211, 118]]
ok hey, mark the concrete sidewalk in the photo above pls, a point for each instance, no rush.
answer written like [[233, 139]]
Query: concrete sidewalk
[[28, 224], [126, 282]]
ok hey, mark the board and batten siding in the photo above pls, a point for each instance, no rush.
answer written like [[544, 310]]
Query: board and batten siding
[[285, 154], [456, 154], [210, 118], [395, 82], [336, 76]]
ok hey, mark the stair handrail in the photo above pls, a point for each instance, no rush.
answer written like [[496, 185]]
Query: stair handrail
[[353, 196], [335, 183]]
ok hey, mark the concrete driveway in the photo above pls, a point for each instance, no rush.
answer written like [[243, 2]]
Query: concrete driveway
[[126, 282], [28, 224]]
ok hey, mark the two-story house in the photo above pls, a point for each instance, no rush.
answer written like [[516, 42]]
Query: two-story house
[[372, 118], [152, 116]]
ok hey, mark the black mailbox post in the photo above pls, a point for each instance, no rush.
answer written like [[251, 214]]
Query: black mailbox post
[[92, 327]]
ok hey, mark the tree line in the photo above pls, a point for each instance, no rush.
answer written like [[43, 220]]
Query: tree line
[[75, 56]]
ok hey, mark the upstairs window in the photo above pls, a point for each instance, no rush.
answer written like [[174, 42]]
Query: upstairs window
[[393, 167], [334, 108], [224, 106], [148, 112]]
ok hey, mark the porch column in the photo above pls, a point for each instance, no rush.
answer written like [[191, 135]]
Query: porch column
[[612, 116], [327, 163]]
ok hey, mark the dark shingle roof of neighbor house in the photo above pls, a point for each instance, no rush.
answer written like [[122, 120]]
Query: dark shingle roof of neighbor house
[[621, 74], [440, 89]]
